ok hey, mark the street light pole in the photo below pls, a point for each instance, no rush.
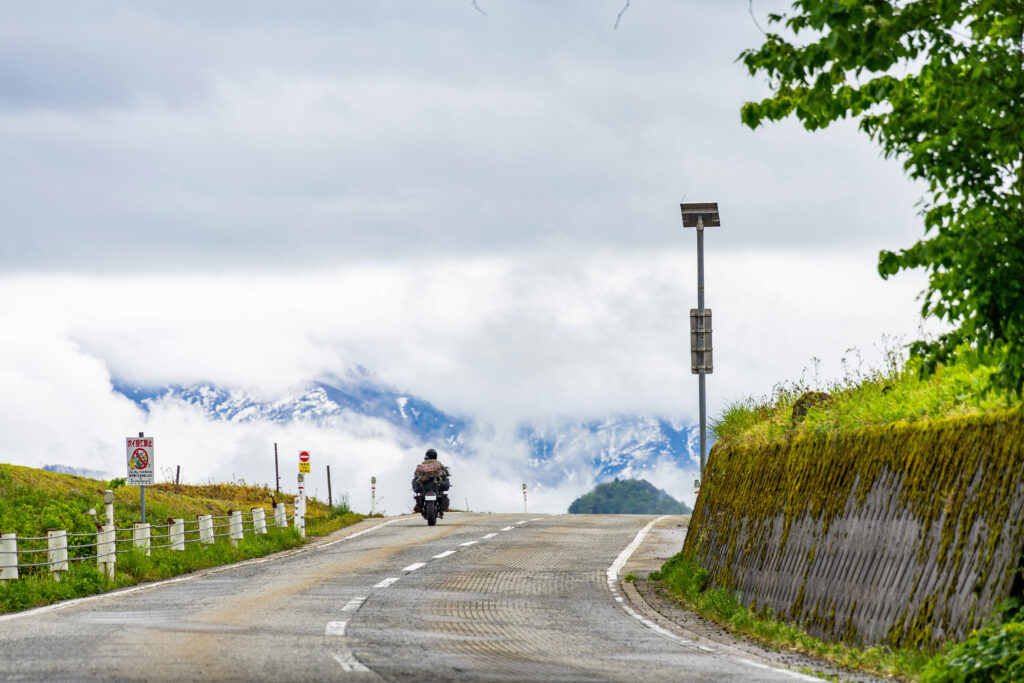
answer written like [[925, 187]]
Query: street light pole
[[701, 381], [700, 216]]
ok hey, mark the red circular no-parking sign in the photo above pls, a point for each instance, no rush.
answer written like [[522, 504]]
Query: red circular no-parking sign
[[304, 456]]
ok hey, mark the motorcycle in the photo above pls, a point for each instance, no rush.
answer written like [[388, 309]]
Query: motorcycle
[[434, 501]]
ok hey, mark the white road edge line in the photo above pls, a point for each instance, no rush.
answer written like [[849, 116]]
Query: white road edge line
[[612, 574], [446, 553], [349, 663], [386, 582], [414, 566], [178, 579], [335, 628]]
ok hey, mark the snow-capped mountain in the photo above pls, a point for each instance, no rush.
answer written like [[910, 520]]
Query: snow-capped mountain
[[558, 450]]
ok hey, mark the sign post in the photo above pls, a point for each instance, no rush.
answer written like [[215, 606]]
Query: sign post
[[524, 499], [141, 470], [373, 495], [300, 504]]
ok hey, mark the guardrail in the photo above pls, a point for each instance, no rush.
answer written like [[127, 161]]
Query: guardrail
[[110, 541]]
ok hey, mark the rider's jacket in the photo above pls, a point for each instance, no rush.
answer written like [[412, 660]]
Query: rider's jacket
[[431, 466]]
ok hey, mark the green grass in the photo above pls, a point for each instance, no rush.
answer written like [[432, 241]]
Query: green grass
[[32, 501], [893, 393], [687, 581]]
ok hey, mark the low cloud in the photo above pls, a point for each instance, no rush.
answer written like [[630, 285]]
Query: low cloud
[[498, 340]]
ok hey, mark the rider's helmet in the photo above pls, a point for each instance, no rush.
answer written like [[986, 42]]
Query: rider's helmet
[[431, 455]]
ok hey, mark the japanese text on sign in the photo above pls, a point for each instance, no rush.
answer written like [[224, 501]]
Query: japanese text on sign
[[139, 452]]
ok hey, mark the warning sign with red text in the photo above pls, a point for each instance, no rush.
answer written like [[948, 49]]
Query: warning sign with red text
[[140, 461]]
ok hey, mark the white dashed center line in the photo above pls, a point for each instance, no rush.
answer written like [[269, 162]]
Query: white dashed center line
[[462, 545], [522, 522], [446, 553], [508, 528], [335, 628], [414, 566], [349, 662], [386, 582], [490, 535], [353, 604]]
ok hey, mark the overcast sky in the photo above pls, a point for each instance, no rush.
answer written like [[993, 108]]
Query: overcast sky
[[482, 209]]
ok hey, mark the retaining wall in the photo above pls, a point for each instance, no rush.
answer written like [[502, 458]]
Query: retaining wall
[[907, 534]]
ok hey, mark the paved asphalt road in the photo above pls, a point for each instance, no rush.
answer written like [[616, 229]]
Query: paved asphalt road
[[478, 597]]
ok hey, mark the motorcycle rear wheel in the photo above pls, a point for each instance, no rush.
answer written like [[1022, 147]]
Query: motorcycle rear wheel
[[430, 512]]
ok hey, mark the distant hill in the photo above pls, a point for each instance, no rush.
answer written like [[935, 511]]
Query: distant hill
[[628, 496]]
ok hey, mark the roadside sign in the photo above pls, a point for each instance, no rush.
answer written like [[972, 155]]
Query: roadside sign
[[304, 467], [303, 456], [304, 462], [139, 453]]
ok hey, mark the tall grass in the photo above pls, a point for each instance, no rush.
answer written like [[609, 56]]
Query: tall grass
[[893, 392]]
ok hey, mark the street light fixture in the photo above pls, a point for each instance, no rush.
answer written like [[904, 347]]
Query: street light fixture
[[701, 216]]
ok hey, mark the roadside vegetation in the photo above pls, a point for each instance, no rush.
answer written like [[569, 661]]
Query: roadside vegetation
[[897, 391], [33, 501], [687, 582], [992, 653]]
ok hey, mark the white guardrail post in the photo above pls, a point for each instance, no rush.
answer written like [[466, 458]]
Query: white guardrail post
[[300, 515], [8, 557], [141, 534], [280, 516], [177, 534], [106, 552], [259, 520], [108, 506], [57, 551], [235, 527], [205, 529]]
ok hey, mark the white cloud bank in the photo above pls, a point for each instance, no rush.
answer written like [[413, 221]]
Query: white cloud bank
[[499, 340]]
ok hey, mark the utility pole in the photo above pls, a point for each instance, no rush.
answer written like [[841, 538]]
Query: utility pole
[[700, 216]]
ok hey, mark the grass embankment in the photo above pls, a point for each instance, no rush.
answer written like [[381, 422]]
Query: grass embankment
[[883, 396], [33, 501]]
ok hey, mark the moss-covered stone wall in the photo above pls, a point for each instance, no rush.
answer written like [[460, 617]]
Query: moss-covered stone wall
[[907, 534]]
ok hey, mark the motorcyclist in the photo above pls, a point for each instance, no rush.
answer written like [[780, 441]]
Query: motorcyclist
[[431, 467]]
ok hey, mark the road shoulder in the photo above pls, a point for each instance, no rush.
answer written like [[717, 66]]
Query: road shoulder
[[653, 601]]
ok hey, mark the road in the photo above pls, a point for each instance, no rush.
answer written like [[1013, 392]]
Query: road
[[477, 597]]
